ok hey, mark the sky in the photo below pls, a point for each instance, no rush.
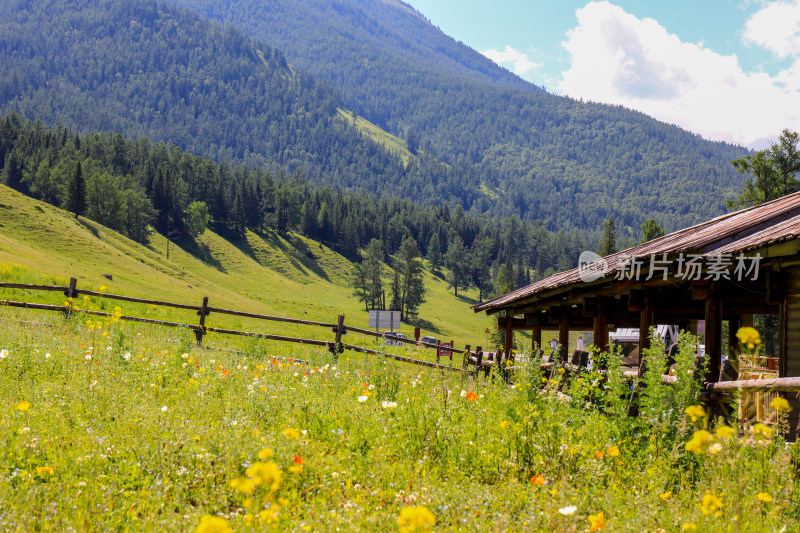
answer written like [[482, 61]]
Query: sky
[[728, 70]]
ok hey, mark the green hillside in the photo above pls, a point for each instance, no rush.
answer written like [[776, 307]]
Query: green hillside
[[292, 276], [570, 163]]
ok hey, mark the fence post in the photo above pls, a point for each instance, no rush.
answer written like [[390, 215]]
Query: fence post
[[70, 294], [203, 312], [339, 330]]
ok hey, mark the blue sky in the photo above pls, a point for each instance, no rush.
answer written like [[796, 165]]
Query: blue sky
[[728, 70]]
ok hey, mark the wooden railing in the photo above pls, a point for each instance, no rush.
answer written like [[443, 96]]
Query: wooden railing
[[339, 328]]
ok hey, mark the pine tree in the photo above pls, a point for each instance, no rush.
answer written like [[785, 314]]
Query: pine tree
[[651, 230], [12, 171], [608, 245], [409, 265], [435, 253], [76, 202], [457, 263]]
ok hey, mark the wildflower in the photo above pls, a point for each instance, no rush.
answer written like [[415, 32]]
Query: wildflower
[[695, 412], [242, 484], [47, 355], [296, 469], [363, 399], [761, 431], [538, 480], [715, 448], [710, 503], [388, 405], [504, 424], [471, 396], [688, 526], [49, 470], [291, 433], [299, 460], [23, 406], [213, 524], [748, 336], [725, 432], [265, 454], [267, 474], [413, 518], [780, 404], [613, 451], [699, 441], [568, 510], [597, 522], [599, 455], [764, 497], [665, 495]]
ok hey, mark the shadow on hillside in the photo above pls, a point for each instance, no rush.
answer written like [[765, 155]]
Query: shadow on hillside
[[89, 227], [425, 325], [200, 251], [298, 253], [467, 299]]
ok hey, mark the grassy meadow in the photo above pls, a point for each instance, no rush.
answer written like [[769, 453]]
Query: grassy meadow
[[107, 425]]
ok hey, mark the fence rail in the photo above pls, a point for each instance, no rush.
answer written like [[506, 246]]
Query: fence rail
[[200, 330]]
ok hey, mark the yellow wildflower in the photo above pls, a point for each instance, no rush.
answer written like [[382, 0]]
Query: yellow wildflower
[[665, 495], [780, 404], [688, 526], [725, 432], [695, 412], [296, 469], [504, 424], [213, 524], [242, 484], [23, 406], [291, 433], [699, 441], [267, 474], [265, 454], [597, 522], [42, 470], [764, 497], [414, 518], [613, 451], [748, 336], [761, 431], [710, 503]]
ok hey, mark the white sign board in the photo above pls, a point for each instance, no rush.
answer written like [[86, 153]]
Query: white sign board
[[380, 319]]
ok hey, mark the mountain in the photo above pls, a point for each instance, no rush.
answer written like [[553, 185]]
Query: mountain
[[147, 69], [535, 154]]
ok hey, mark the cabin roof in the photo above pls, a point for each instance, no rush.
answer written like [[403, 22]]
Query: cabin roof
[[738, 232]]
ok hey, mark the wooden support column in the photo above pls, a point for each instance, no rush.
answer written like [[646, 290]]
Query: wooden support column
[[509, 339], [536, 338], [645, 323], [713, 337], [600, 330], [733, 326], [563, 337]]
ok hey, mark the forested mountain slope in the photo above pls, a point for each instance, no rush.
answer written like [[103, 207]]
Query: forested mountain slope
[[541, 156], [152, 70]]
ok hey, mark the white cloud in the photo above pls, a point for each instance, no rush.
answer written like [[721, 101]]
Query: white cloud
[[618, 58], [776, 27], [515, 60]]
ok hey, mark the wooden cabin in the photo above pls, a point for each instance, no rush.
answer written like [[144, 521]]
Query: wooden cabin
[[727, 269]]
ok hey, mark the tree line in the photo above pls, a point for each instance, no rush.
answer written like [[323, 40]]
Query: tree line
[[135, 187]]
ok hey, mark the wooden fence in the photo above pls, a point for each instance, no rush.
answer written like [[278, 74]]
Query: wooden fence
[[338, 328]]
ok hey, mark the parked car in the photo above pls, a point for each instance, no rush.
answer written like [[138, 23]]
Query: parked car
[[390, 336], [429, 340]]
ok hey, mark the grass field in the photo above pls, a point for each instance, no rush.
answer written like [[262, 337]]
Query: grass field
[[108, 425], [267, 274]]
